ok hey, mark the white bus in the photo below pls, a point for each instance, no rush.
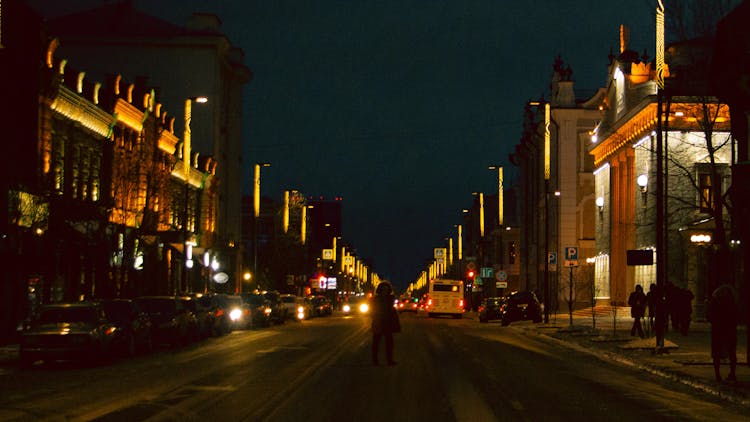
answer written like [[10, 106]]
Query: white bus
[[445, 297]]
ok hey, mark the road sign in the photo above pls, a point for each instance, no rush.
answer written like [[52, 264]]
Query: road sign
[[471, 266], [486, 272], [552, 258], [571, 256], [501, 276], [439, 253], [501, 284], [328, 254]]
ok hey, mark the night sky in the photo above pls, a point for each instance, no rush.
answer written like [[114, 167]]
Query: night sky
[[399, 106]]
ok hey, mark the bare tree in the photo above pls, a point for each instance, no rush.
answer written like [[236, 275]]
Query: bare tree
[[690, 19], [141, 195]]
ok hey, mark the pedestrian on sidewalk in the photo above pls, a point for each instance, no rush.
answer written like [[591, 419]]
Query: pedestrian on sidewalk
[[723, 314], [651, 299], [637, 302], [384, 321], [683, 309]]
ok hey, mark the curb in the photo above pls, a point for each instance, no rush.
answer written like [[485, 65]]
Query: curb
[[606, 356]]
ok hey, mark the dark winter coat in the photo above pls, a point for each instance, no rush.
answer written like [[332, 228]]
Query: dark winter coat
[[384, 315], [723, 314], [637, 302]]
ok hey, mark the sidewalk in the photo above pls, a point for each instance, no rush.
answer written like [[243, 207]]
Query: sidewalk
[[685, 359]]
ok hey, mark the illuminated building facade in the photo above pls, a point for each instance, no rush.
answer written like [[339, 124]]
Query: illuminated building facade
[[559, 212], [182, 62], [698, 154], [96, 202]]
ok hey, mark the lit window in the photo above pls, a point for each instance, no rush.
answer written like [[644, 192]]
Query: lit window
[[706, 192]]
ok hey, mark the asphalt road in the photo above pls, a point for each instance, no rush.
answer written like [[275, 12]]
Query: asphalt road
[[320, 370]]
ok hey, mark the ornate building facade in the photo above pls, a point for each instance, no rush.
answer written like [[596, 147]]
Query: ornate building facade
[[101, 198]]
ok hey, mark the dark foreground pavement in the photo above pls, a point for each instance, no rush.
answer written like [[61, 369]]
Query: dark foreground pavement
[[684, 359]]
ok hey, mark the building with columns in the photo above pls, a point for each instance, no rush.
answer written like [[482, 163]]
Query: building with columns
[[697, 156]]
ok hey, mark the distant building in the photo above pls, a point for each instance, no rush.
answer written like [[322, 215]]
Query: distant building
[[325, 222], [557, 209]]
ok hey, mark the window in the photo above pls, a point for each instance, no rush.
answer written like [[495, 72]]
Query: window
[[705, 189]]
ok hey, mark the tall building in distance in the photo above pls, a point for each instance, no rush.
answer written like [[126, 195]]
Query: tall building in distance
[[325, 222]]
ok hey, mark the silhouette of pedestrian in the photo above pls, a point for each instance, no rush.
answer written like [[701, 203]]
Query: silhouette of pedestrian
[[723, 314], [637, 302], [651, 299], [384, 321], [684, 309]]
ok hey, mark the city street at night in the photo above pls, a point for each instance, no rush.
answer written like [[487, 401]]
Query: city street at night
[[320, 370]]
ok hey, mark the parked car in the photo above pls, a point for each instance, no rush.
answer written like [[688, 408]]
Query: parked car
[[174, 323], [356, 305], [68, 331], [206, 311], [521, 306], [321, 305], [490, 309], [200, 326], [260, 309], [134, 327], [296, 308], [278, 310]]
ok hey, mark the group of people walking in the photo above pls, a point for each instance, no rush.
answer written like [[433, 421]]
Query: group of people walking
[[677, 302], [721, 311]]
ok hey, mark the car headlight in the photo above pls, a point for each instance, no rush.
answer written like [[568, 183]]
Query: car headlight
[[347, 308], [364, 308], [300, 309], [267, 311], [235, 314]]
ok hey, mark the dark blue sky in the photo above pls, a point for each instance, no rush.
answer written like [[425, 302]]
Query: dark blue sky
[[399, 106]]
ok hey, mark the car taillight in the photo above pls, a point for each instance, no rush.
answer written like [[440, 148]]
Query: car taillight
[[461, 303], [429, 302], [220, 312]]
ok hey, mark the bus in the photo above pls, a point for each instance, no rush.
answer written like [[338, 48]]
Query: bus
[[446, 297]]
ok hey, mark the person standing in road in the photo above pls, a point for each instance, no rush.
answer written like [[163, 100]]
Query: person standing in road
[[723, 314], [637, 302], [384, 321]]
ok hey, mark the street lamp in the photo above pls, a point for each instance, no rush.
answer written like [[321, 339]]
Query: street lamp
[[500, 211], [642, 181], [256, 212], [547, 120], [186, 164]]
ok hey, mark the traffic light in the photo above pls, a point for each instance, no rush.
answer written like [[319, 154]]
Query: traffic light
[[470, 275]]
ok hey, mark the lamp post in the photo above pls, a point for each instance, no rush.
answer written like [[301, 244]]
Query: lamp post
[[642, 181], [661, 258], [500, 216], [186, 165], [256, 214], [547, 120]]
